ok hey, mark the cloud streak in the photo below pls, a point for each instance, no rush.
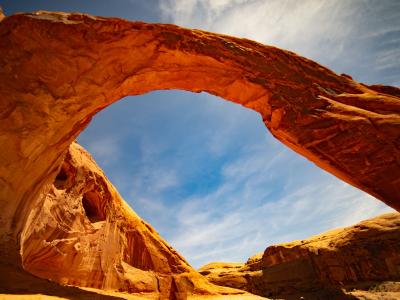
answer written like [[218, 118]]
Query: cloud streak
[[246, 213], [343, 35]]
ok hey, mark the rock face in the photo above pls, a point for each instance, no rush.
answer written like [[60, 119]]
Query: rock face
[[236, 275], [363, 256], [58, 70], [82, 233]]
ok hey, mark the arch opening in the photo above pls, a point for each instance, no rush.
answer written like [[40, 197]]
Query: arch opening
[[177, 157]]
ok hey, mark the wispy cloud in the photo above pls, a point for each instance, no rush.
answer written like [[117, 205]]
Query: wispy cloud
[[153, 179], [284, 23], [344, 35], [242, 217], [148, 193], [105, 149]]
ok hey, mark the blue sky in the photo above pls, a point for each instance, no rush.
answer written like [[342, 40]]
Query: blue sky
[[206, 173]]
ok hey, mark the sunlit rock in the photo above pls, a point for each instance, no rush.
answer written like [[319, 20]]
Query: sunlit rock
[[82, 233], [362, 259]]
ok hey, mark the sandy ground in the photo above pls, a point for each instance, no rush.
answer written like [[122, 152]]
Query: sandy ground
[[16, 284], [118, 296]]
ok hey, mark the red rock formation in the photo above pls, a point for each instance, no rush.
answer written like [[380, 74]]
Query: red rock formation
[[58, 70], [82, 233], [235, 275], [364, 256]]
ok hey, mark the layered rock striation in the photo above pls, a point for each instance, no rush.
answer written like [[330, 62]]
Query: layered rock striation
[[82, 233], [362, 256]]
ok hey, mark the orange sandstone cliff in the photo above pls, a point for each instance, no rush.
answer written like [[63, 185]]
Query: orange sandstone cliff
[[57, 70], [362, 257], [82, 233]]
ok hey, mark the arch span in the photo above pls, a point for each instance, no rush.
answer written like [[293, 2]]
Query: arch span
[[58, 70]]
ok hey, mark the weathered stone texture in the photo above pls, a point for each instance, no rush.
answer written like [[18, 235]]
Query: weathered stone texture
[[358, 257]]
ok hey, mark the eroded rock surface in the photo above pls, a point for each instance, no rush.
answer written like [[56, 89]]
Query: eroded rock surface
[[365, 256], [82, 233], [236, 275]]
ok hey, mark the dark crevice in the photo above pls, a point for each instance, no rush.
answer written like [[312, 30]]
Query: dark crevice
[[91, 203], [61, 178]]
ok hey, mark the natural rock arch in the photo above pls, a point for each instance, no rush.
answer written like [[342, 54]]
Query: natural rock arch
[[58, 70]]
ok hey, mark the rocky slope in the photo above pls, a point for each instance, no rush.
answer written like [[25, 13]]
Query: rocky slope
[[365, 256], [82, 233], [57, 70]]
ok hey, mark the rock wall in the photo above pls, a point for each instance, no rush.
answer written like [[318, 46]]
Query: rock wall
[[235, 275], [82, 233], [357, 257]]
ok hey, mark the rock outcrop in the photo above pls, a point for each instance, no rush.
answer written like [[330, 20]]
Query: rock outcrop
[[58, 70], [364, 256], [233, 274], [236, 275], [82, 233]]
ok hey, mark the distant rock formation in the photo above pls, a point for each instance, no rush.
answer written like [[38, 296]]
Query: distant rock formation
[[362, 257], [58, 70], [236, 275]]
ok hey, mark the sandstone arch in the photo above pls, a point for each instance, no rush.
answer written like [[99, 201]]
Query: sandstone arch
[[57, 70]]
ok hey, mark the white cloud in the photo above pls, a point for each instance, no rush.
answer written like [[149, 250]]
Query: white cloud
[[147, 187], [155, 179], [151, 205], [344, 35], [297, 25], [388, 59], [240, 218], [105, 149]]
